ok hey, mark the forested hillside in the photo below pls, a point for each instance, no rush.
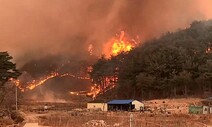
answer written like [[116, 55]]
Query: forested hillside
[[177, 64]]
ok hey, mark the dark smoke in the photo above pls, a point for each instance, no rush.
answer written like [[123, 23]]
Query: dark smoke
[[54, 35], [34, 29]]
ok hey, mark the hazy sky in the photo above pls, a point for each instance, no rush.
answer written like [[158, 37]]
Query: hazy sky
[[32, 29]]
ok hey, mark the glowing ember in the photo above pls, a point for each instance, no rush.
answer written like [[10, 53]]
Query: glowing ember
[[74, 76], [78, 93], [17, 83], [90, 49], [208, 50]]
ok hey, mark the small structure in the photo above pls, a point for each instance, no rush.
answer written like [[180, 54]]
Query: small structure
[[124, 105], [195, 109], [200, 109], [97, 105]]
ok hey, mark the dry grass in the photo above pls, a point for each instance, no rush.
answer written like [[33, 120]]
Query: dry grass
[[63, 115], [4, 122], [123, 120]]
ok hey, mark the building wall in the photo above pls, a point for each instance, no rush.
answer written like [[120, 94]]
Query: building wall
[[137, 104], [210, 110], [206, 110], [102, 106]]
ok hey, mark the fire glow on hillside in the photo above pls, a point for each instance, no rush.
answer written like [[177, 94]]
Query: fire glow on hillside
[[93, 92], [35, 83], [116, 46]]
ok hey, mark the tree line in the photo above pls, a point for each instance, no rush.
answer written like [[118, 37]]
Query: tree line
[[178, 64]]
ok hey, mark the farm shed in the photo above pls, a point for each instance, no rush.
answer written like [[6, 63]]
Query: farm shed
[[97, 104], [124, 105]]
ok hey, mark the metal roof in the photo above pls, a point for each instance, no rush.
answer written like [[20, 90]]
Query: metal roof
[[120, 101]]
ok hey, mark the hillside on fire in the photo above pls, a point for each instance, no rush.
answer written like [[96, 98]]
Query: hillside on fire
[[178, 64]]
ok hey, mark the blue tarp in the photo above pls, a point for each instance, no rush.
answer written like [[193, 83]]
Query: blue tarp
[[120, 102]]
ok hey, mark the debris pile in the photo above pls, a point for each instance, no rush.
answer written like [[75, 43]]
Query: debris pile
[[95, 123]]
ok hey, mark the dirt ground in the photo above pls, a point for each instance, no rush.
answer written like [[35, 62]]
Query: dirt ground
[[121, 119], [76, 115]]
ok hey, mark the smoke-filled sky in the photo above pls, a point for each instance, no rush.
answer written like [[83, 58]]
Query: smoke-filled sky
[[33, 29]]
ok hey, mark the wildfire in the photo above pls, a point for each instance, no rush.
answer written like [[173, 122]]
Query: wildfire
[[115, 46], [17, 83], [74, 76], [95, 90], [31, 85], [34, 83], [118, 45]]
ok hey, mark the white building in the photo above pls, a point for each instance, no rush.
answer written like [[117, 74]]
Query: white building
[[95, 105], [137, 104]]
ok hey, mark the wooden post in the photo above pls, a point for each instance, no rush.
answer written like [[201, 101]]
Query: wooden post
[[16, 98], [131, 120]]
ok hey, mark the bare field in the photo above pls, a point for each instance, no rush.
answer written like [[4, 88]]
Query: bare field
[[76, 115], [122, 119]]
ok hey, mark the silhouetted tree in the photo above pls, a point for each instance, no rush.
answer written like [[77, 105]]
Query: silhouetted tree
[[7, 71]]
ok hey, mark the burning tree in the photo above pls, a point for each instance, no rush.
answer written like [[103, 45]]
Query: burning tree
[[7, 71], [105, 73], [176, 64], [119, 44]]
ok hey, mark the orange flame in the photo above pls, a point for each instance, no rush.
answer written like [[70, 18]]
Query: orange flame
[[95, 90], [78, 93], [34, 83], [118, 45]]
